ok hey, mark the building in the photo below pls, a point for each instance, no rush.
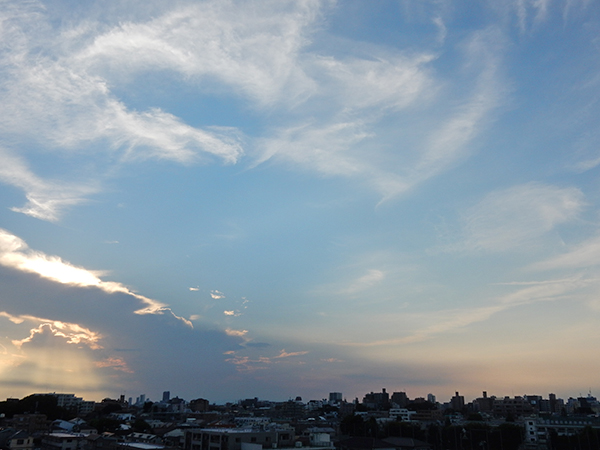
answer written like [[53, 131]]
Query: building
[[400, 399], [401, 414], [377, 400], [12, 439], [538, 430], [515, 407], [457, 403], [32, 423], [233, 438], [484, 404], [335, 397], [199, 405], [62, 441], [99, 442]]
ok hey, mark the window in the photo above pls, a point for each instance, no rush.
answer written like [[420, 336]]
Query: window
[[19, 441], [253, 439]]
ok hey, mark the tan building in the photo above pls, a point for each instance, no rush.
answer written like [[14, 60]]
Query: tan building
[[12, 439]]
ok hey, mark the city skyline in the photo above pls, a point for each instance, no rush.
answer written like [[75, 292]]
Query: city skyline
[[332, 397], [283, 197]]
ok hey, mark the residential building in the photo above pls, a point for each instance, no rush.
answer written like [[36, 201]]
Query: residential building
[[400, 399], [457, 403], [12, 439], [335, 397], [377, 400], [62, 441], [517, 407], [233, 438]]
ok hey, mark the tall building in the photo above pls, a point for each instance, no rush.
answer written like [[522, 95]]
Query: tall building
[[457, 402], [377, 400], [166, 396], [552, 398], [335, 397], [400, 399], [485, 403]]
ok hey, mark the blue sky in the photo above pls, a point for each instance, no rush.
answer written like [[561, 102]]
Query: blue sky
[[238, 199]]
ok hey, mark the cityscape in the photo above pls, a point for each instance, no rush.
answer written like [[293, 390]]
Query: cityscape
[[380, 420], [299, 224]]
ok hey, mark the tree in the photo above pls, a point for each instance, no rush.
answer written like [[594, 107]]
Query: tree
[[141, 426], [353, 425]]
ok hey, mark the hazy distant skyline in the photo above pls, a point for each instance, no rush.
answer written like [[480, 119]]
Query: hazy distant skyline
[[267, 199]]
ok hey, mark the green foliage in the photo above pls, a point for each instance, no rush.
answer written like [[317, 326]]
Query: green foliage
[[105, 424], [588, 438], [353, 425], [475, 417], [404, 429], [148, 407], [141, 426], [356, 426], [109, 408]]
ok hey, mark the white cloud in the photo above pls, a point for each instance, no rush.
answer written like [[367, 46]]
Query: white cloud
[[217, 294], [349, 137], [450, 320], [15, 253], [330, 109], [516, 217], [583, 255], [72, 332], [386, 82], [236, 333], [525, 8], [114, 363], [372, 278], [250, 47], [284, 354], [51, 101], [46, 199]]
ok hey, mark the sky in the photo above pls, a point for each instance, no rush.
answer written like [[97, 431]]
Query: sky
[[237, 199]]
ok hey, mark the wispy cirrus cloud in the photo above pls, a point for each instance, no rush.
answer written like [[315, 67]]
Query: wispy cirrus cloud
[[354, 139], [337, 116], [251, 48], [46, 199], [517, 217], [583, 255], [52, 102], [451, 320], [245, 363], [372, 278]]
